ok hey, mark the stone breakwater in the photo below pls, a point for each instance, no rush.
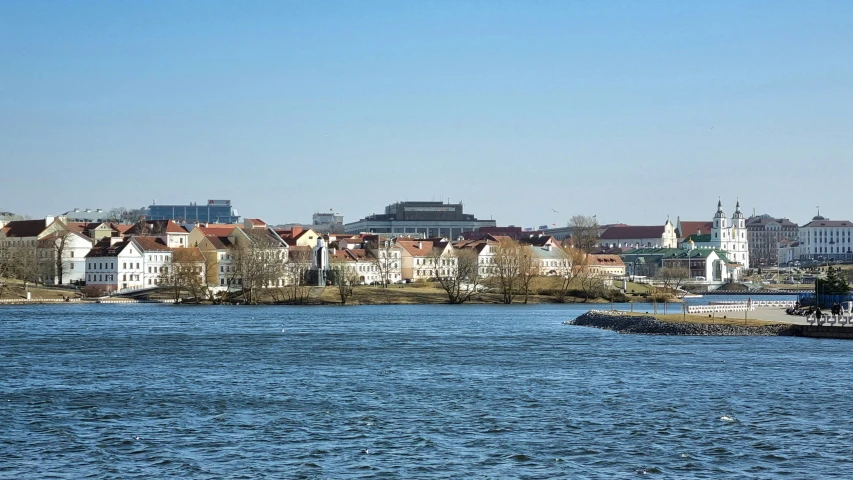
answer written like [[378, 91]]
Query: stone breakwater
[[648, 325]]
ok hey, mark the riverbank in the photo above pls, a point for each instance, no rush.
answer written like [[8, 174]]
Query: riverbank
[[623, 322]]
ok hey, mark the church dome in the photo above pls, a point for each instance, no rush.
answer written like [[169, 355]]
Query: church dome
[[818, 217]]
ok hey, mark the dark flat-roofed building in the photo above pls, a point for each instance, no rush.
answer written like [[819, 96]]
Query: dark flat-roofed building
[[431, 219]]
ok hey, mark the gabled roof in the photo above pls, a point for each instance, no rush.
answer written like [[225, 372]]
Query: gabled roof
[[416, 248], [151, 244], [256, 222], [104, 248], [605, 260], [644, 231], [538, 240], [762, 221], [154, 227], [218, 230], [188, 254], [705, 238], [690, 228], [24, 228], [219, 243], [552, 253]]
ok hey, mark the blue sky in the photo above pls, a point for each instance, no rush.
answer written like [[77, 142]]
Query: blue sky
[[631, 111]]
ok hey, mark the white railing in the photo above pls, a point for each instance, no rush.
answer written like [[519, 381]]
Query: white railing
[[131, 300], [718, 308], [38, 300], [845, 319], [757, 303]]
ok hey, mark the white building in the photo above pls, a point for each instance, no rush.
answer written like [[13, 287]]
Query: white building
[[639, 236], [114, 264], [49, 237], [825, 239], [120, 264], [729, 238]]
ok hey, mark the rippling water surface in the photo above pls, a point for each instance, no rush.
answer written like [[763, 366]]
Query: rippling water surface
[[155, 391]]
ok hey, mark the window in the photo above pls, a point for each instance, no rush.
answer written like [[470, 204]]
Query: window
[[71, 254], [137, 266]]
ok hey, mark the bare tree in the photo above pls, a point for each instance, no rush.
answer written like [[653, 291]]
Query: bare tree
[[385, 257], [123, 215], [588, 279], [345, 277], [528, 269], [5, 265], [26, 262], [458, 273], [672, 278], [57, 244], [185, 273], [571, 262], [297, 267], [584, 232], [507, 268], [260, 263]]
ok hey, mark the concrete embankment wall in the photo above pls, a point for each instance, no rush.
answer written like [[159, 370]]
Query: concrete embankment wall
[[845, 333], [621, 323]]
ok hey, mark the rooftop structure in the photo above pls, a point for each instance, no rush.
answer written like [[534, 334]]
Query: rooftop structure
[[430, 219], [214, 211]]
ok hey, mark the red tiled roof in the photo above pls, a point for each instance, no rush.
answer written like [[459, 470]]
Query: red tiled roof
[[152, 244], [218, 230], [417, 248], [24, 228], [643, 231], [691, 228], [256, 221], [605, 260], [188, 254]]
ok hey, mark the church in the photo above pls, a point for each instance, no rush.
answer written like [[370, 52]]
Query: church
[[727, 236]]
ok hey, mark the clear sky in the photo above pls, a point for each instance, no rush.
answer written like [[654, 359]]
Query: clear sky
[[527, 112]]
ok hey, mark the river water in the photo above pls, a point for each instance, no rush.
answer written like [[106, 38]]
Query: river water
[[472, 391]]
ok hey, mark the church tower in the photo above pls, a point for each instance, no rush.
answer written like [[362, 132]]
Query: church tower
[[719, 232], [740, 246]]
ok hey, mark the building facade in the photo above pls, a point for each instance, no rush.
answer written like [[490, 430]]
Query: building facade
[[215, 211], [429, 219], [763, 235], [825, 239]]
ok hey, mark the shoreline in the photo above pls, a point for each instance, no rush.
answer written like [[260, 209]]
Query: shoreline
[[649, 325]]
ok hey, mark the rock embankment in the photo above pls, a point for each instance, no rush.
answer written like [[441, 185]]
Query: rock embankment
[[648, 325]]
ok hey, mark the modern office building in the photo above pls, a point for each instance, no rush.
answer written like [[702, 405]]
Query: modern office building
[[215, 211], [431, 219]]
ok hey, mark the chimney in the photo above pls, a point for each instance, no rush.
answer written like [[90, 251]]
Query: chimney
[[420, 245], [334, 251]]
